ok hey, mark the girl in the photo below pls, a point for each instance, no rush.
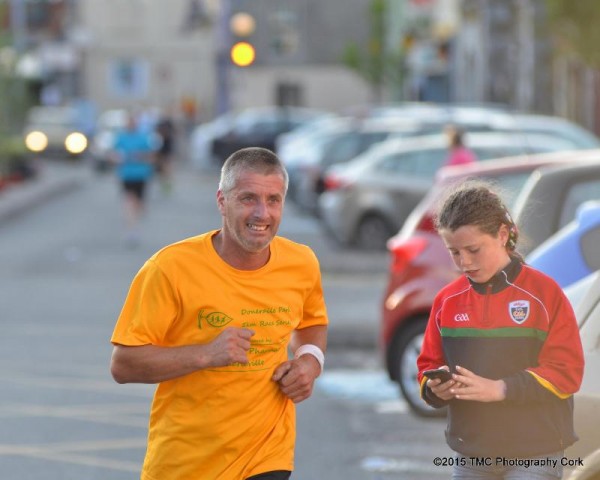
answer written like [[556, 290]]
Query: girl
[[509, 336]]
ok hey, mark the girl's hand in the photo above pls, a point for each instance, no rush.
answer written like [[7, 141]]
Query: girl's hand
[[476, 388], [442, 389]]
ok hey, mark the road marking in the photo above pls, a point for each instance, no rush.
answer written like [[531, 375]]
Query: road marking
[[392, 406], [358, 385], [80, 384], [66, 452], [401, 465], [131, 415]]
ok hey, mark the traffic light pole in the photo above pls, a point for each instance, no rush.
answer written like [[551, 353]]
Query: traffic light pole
[[223, 43]]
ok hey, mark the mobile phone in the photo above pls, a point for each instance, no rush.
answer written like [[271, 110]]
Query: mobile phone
[[440, 373]]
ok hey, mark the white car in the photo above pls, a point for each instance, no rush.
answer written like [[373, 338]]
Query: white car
[[586, 295], [55, 130]]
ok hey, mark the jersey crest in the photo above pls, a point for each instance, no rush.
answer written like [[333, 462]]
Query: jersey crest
[[519, 310]]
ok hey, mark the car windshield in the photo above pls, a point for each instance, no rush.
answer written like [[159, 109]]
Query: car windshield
[[54, 116]]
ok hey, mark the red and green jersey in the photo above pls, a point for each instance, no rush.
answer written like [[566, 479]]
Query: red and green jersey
[[518, 327]]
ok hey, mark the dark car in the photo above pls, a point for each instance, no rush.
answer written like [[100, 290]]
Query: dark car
[[420, 264], [260, 127]]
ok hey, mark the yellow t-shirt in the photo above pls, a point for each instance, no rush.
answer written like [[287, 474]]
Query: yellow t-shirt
[[230, 422]]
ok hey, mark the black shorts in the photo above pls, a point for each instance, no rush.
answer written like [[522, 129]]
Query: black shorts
[[135, 187], [275, 475]]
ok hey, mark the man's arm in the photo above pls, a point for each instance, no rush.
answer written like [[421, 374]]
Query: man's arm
[[296, 377], [316, 335], [154, 364]]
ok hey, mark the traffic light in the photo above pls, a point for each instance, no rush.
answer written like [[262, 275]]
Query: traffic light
[[242, 54]]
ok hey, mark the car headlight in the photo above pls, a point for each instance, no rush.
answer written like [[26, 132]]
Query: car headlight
[[36, 141], [76, 143]]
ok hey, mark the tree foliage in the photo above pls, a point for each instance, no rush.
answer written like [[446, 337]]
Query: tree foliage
[[575, 24], [373, 61]]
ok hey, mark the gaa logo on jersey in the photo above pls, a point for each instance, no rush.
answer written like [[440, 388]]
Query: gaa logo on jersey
[[519, 310]]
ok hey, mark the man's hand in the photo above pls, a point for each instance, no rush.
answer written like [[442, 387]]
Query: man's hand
[[231, 346], [296, 377]]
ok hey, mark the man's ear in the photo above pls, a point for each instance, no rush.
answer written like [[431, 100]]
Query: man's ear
[[221, 201]]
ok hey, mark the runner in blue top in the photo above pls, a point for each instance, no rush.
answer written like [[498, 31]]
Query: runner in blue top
[[134, 155]]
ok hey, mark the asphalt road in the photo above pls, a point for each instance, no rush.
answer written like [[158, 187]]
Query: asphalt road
[[64, 274]]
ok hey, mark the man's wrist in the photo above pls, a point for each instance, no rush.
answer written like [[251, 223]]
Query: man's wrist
[[503, 389], [313, 350]]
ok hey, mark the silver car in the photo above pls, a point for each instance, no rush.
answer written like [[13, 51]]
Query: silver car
[[367, 200]]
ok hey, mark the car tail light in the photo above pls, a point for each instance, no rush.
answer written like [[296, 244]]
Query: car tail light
[[403, 252], [334, 182], [426, 224]]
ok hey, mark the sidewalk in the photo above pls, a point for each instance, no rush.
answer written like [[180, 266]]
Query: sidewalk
[[54, 178]]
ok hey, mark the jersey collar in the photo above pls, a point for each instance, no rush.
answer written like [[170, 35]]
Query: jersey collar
[[501, 280]]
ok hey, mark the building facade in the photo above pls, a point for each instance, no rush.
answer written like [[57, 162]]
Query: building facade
[[166, 54]]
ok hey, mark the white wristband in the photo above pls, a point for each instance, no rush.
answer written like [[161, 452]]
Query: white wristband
[[313, 350]]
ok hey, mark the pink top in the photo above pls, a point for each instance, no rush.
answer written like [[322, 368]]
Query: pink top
[[460, 156]]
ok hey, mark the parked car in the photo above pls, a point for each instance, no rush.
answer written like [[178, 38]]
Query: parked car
[[557, 126], [481, 118], [587, 400], [550, 198], [573, 252], [201, 141], [368, 199], [339, 139], [55, 130], [420, 264], [260, 127], [338, 144]]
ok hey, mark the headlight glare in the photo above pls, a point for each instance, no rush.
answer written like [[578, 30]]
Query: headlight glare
[[36, 141], [76, 143]]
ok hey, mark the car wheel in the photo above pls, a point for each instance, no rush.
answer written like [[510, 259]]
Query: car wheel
[[404, 350], [372, 233]]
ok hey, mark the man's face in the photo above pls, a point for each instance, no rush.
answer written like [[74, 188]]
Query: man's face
[[252, 211]]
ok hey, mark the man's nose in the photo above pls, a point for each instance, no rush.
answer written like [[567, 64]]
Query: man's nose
[[260, 209]]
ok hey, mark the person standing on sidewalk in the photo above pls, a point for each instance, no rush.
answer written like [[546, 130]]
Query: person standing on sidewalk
[[133, 153], [510, 338], [210, 320]]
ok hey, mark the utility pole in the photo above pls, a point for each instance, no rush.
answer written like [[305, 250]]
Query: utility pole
[[18, 25], [223, 43]]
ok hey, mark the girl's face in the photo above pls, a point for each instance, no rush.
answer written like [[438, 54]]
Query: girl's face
[[478, 255]]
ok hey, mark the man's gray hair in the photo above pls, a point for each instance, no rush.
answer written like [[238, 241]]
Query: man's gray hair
[[254, 159]]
